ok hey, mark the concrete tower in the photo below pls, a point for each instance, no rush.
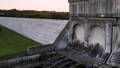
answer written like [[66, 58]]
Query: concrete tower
[[92, 35]]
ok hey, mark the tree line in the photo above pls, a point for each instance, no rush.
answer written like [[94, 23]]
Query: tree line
[[34, 14]]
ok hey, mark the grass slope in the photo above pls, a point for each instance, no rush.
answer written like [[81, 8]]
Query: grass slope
[[12, 42]]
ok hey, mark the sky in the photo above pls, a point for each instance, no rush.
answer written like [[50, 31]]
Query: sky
[[40, 5]]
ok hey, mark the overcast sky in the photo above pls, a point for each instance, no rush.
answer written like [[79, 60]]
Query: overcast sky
[[49, 5]]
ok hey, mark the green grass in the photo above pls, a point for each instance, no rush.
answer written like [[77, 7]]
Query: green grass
[[12, 42]]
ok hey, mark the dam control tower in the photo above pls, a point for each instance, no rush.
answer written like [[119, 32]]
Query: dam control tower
[[92, 36]]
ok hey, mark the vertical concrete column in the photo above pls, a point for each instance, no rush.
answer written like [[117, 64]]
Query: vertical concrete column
[[87, 31], [108, 37]]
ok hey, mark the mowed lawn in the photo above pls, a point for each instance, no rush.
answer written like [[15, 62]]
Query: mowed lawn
[[12, 42]]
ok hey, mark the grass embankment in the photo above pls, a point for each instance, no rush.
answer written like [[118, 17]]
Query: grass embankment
[[12, 42]]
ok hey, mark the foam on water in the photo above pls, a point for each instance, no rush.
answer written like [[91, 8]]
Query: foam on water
[[97, 36], [80, 33]]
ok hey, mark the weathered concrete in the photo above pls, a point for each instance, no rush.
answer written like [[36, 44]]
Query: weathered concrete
[[94, 45], [40, 49], [95, 8], [92, 35]]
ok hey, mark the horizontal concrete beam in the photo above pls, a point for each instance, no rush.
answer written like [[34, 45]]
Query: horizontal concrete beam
[[19, 61]]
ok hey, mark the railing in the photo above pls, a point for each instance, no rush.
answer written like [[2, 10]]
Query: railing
[[20, 61], [15, 55]]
